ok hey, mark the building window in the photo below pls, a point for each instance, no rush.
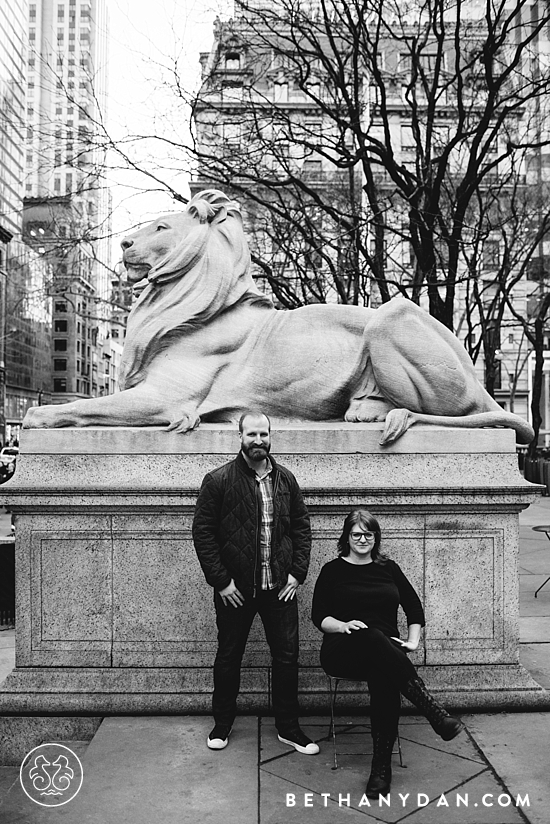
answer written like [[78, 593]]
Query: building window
[[491, 254], [231, 132], [60, 307], [78, 366], [60, 344], [428, 61], [60, 326], [59, 384], [60, 364], [232, 61], [57, 184], [312, 168]]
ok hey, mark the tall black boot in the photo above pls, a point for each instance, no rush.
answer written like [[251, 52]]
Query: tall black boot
[[444, 724], [380, 775]]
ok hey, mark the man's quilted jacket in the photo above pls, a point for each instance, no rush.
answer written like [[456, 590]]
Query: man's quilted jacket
[[226, 527]]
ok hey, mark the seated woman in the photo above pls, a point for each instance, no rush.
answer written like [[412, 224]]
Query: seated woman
[[355, 605]]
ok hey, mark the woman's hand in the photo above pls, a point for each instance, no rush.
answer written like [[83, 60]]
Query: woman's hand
[[330, 624], [410, 645], [349, 626]]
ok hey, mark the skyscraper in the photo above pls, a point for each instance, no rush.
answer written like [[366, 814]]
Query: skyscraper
[[25, 322], [67, 209], [12, 103]]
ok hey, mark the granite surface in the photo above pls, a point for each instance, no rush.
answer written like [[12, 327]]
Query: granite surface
[[111, 601]]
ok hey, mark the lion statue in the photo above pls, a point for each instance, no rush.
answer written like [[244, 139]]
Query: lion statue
[[204, 343]]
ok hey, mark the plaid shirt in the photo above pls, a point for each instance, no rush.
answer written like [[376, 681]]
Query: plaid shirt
[[265, 485]]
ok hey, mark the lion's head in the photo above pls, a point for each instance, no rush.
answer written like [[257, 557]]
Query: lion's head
[[197, 264], [144, 250]]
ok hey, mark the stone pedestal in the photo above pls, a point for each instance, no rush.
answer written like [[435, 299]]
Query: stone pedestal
[[113, 613]]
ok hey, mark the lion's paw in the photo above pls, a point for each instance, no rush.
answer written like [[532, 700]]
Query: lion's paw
[[187, 423], [369, 410], [40, 417]]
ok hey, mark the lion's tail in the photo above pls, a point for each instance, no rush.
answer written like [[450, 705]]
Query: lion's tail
[[524, 431], [399, 420]]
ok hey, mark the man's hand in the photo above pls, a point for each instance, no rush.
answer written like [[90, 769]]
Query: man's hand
[[289, 590], [231, 595], [349, 626]]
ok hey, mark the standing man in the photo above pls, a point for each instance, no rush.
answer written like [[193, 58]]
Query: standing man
[[252, 535]]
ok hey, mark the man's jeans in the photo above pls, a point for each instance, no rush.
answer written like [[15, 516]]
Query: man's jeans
[[280, 620]]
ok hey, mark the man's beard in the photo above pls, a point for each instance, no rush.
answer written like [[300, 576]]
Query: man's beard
[[255, 452]]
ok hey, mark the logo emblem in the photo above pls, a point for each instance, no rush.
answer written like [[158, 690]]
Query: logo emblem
[[51, 775]]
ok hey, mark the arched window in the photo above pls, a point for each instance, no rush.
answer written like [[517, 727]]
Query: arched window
[[232, 61]]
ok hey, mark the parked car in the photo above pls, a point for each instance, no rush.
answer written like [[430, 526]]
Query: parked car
[[8, 454]]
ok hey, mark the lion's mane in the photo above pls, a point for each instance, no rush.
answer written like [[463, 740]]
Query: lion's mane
[[207, 273]]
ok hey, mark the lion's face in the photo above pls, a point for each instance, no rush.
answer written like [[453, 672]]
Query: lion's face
[[143, 249]]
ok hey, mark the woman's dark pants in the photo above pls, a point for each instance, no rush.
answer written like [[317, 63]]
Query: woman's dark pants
[[280, 620], [369, 655]]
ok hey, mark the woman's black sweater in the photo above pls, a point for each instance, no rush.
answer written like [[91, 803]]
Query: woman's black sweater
[[365, 592]]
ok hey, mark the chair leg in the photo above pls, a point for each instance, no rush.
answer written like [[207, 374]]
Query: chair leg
[[399, 750], [333, 694], [333, 689]]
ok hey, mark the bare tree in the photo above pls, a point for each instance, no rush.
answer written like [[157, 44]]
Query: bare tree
[[414, 111]]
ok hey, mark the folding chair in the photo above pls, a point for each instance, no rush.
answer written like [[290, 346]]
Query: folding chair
[[333, 682]]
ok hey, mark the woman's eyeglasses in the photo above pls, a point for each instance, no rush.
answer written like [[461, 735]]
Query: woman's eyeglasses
[[357, 536]]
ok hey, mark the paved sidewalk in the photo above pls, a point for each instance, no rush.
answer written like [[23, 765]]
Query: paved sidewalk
[[158, 769], [150, 770]]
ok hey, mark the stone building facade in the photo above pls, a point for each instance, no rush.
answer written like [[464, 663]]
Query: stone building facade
[[252, 103]]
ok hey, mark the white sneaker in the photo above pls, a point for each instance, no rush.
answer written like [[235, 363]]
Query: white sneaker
[[219, 737], [299, 740]]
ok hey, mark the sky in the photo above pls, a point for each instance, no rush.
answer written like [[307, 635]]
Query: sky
[[146, 38]]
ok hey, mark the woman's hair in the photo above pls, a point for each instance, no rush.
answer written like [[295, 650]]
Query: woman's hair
[[364, 519]]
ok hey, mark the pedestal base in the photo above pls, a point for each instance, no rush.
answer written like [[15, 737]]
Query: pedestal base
[[114, 615], [184, 690]]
